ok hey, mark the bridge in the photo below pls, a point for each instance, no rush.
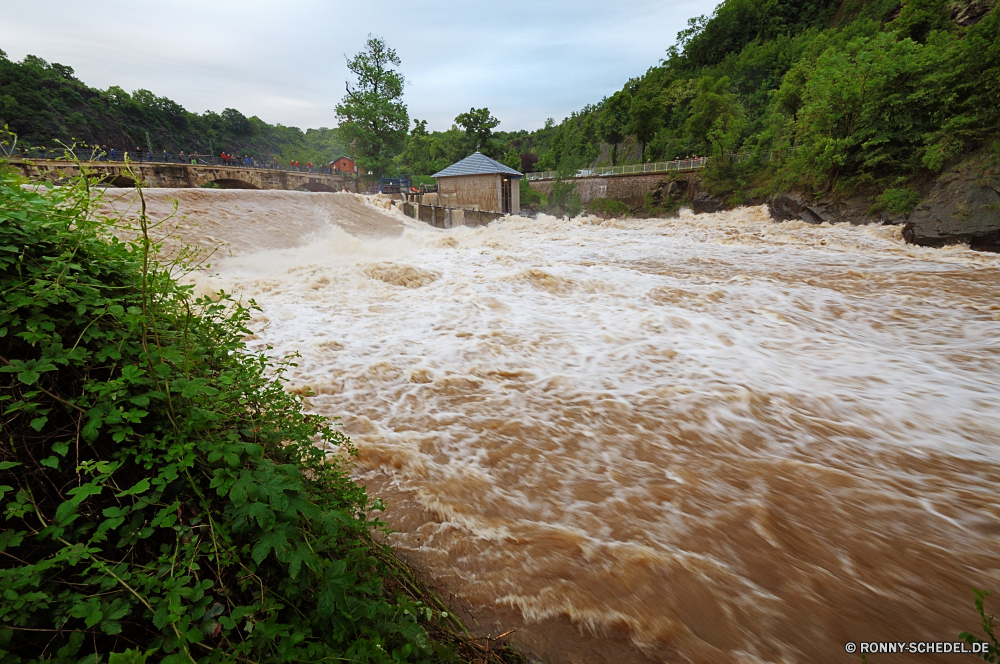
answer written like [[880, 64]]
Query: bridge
[[182, 176]]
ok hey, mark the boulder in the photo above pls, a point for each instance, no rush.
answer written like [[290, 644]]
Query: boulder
[[667, 191], [677, 190], [793, 205], [705, 203], [787, 205], [962, 208]]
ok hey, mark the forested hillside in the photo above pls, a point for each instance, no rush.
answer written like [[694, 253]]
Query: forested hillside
[[43, 102], [821, 90]]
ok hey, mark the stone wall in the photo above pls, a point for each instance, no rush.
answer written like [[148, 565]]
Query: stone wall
[[629, 189]]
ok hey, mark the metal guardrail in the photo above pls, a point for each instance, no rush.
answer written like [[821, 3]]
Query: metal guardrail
[[630, 169], [148, 158]]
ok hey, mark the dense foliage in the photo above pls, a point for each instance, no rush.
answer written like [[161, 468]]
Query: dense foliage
[[871, 90], [43, 103], [160, 493], [428, 152]]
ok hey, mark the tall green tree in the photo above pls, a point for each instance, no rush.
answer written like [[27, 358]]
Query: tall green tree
[[423, 154], [645, 116], [613, 123], [373, 118], [717, 115], [479, 126], [842, 84]]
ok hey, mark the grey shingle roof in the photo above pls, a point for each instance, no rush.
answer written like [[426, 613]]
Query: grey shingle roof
[[476, 164]]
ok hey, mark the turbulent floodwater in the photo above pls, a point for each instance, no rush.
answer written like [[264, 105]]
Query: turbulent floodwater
[[706, 439]]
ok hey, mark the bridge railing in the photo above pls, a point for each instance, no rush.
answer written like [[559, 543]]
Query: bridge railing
[[167, 158]]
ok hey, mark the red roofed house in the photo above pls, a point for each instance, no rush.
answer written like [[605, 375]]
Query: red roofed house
[[343, 165]]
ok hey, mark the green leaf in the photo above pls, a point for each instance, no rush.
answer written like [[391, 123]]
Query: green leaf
[[28, 377], [4, 465], [238, 494], [141, 486], [38, 423], [60, 448], [274, 539], [10, 538], [51, 462]]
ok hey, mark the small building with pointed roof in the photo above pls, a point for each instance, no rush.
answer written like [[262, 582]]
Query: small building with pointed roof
[[480, 183], [343, 164]]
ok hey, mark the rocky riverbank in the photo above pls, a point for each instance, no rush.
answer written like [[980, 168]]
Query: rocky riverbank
[[961, 206]]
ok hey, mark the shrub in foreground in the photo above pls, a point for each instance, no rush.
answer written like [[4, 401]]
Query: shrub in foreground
[[159, 493]]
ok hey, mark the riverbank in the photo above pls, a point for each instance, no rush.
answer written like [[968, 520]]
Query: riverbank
[[166, 497]]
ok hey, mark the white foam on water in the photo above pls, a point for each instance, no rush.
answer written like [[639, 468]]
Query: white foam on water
[[727, 436]]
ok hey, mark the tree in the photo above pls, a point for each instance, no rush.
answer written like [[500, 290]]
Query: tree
[[419, 155], [511, 159], [236, 123], [716, 116], [614, 121], [834, 101], [372, 115], [645, 116], [479, 126]]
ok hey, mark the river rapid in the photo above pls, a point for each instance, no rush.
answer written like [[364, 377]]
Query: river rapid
[[711, 438]]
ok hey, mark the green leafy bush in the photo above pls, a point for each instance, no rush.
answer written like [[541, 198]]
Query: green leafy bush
[[897, 201], [528, 196], [992, 647], [607, 208], [160, 494], [564, 197]]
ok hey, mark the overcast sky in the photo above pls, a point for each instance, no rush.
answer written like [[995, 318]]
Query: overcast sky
[[284, 61]]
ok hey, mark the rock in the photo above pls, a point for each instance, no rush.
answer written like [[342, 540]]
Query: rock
[[969, 13], [962, 208], [677, 190], [787, 205], [793, 205], [705, 203], [667, 190]]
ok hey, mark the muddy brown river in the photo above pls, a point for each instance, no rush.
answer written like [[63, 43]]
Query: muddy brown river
[[713, 438]]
